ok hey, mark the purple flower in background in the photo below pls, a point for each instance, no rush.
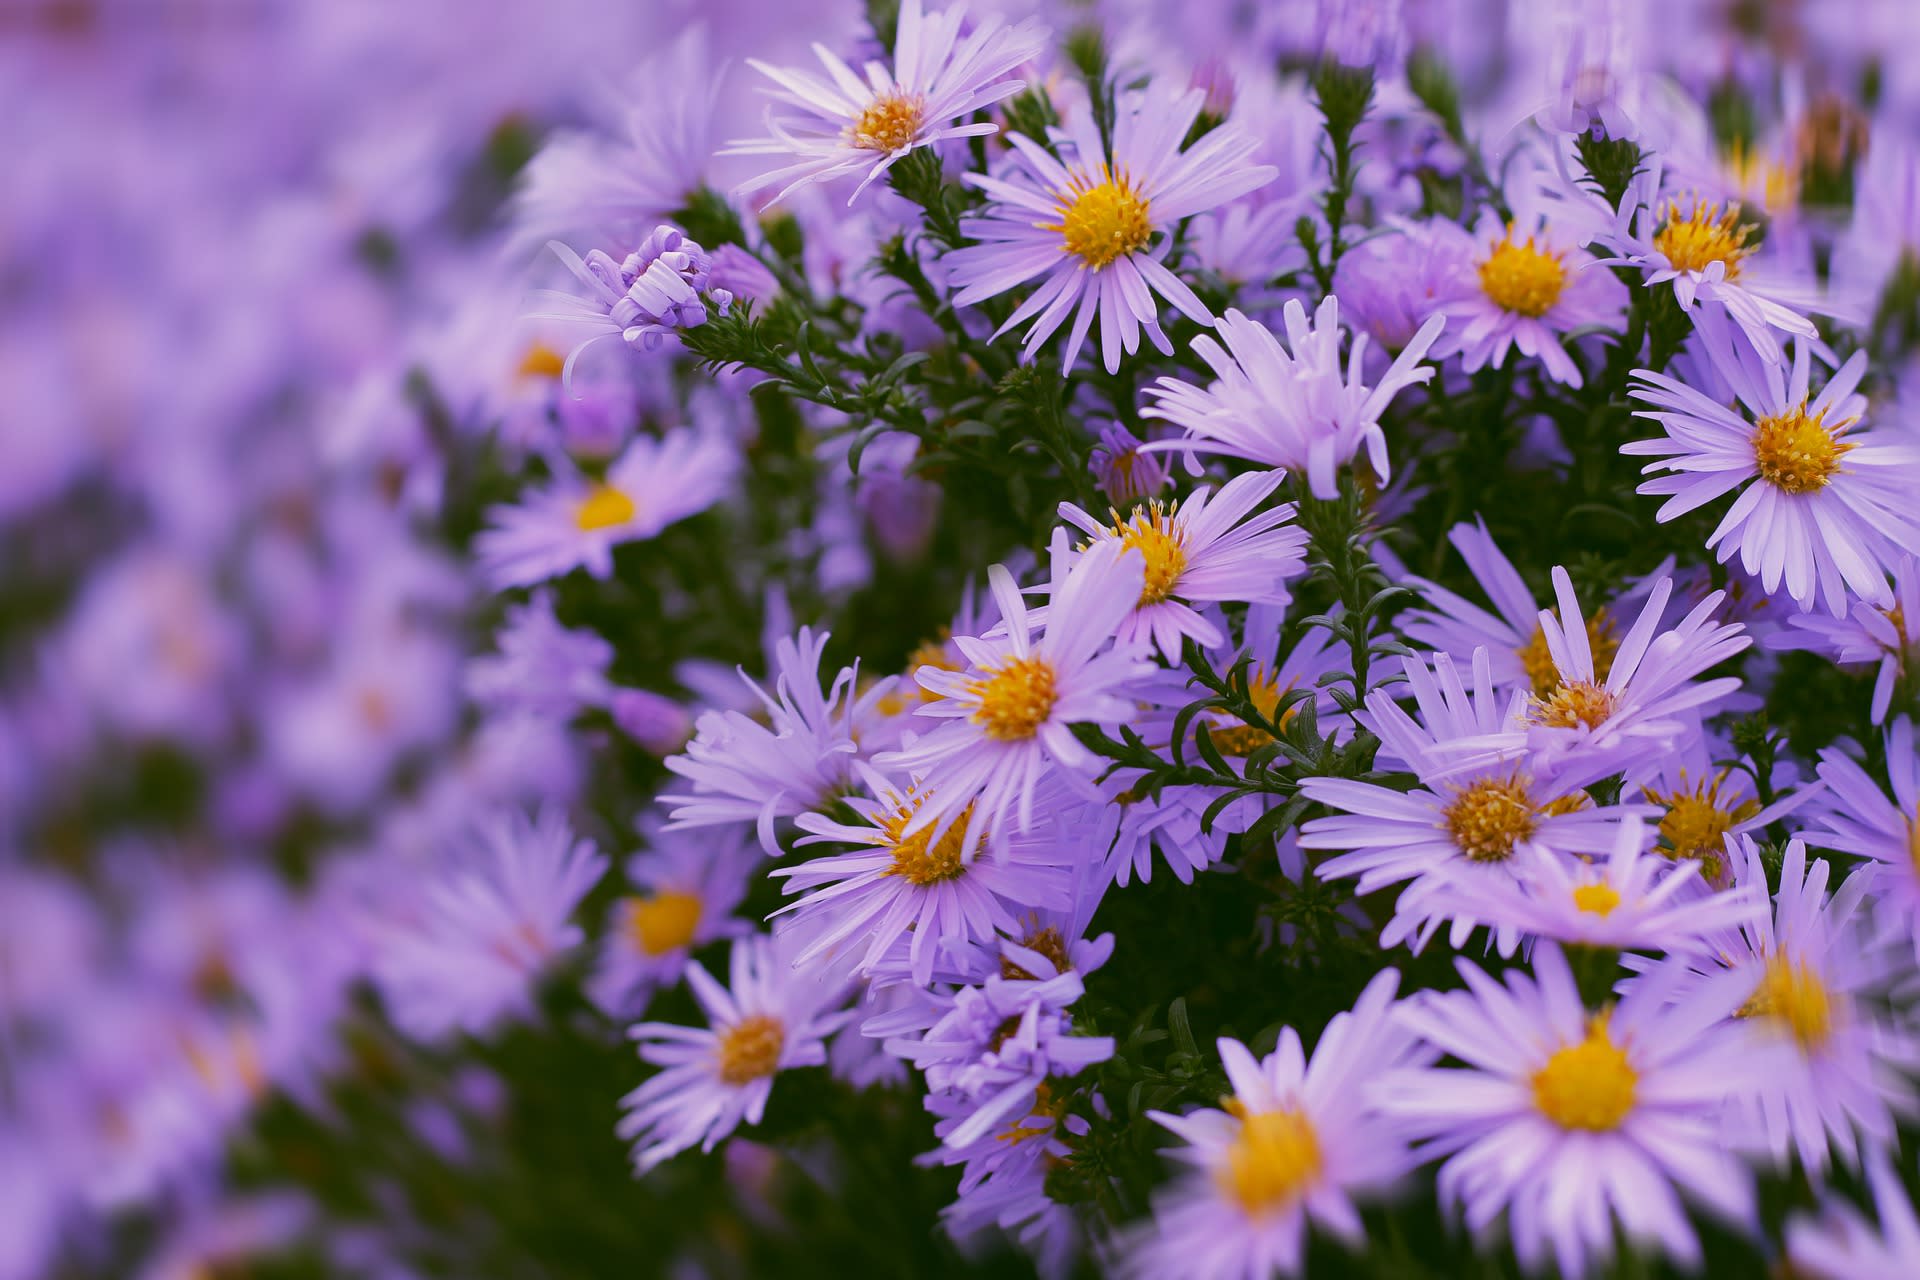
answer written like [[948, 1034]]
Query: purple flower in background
[[660, 288]]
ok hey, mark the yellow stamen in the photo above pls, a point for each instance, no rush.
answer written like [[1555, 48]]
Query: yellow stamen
[[750, 1049], [1015, 699], [1587, 1086], [890, 122], [1599, 898], [664, 922], [1487, 818], [1698, 819], [1522, 278], [1104, 220], [1797, 452], [1793, 996], [1161, 544], [603, 508], [1777, 185], [541, 361], [1579, 702], [920, 858], [1695, 240], [1274, 1159], [1537, 659], [1048, 943]]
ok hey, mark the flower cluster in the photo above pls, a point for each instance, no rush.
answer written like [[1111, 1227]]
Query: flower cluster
[[1169, 641]]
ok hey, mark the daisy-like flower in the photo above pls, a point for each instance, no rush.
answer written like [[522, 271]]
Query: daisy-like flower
[[1289, 405], [1809, 977], [1008, 716], [1632, 900], [848, 125], [1533, 286], [1203, 551], [576, 522], [1703, 248], [645, 298], [1611, 721], [1842, 1244], [1829, 508], [1869, 635], [741, 769], [483, 932], [914, 885], [1123, 473], [1568, 1120], [770, 1018], [1087, 224], [688, 887], [1479, 797], [1296, 1142], [1511, 634], [1857, 817]]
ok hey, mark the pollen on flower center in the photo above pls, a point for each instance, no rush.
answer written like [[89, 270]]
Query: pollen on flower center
[[1589, 1085], [1015, 700], [1048, 942], [1159, 542], [541, 361], [1537, 659], [1792, 995], [1487, 818], [664, 922], [1273, 1160], [1576, 702], [1599, 898], [1522, 278], [890, 122], [1695, 240], [750, 1049], [1796, 452], [602, 508], [921, 859], [1697, 821], [1103, 222]]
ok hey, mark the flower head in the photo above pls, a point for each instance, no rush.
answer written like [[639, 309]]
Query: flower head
[[643, 299]]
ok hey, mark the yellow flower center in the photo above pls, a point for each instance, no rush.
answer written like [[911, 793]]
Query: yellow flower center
[[541, 361], [1698, 819], [1274, 1159], [750, 1049], [1015, 699], [1600, 898], [1040, 1120], [1589, 1085], [1695, 240], [1160, 543], [890, 122], [920, 858], [1265, 691], [931, 654], [1793, 996], [1796, 452], [1578, 702], [1537, 658], [602, 508], [1047, 942], [1102, 221], [1777, 184], [1522, 278], [664, 922], [1487, 818]]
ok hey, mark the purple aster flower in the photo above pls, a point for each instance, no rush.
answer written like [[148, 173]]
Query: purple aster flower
[[1289, 406], [1651, 680], [1843, 1244], [576, 523], [1832, 507], [1088, 224], [849, 125], [1008, 716], [1125, 474], [542, 667], [657, 290], [1572, 1122], [1203, 551], [770, 1018], [688, 888], [1869, 635], [1812, 980], [1857, 817], [485, 929], [913, 884], [1391, 284], [798, 755], [1297, 1142]]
